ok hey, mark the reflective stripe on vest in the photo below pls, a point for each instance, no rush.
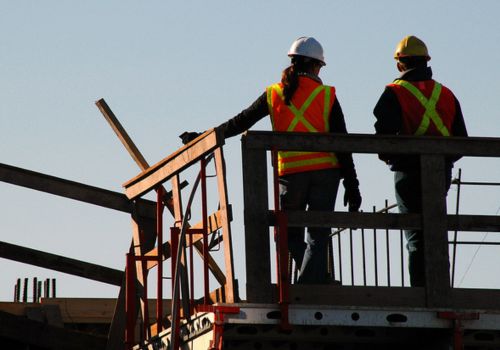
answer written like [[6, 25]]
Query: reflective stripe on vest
[[299, 113], [292, 161], [429, 105]]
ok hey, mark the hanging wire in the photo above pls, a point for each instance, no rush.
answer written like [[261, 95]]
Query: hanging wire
[[475, 254]]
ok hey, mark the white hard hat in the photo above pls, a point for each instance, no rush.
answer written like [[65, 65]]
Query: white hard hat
[[307, 47]]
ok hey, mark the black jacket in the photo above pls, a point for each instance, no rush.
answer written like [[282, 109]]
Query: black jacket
[[389, 121], [259, 109]]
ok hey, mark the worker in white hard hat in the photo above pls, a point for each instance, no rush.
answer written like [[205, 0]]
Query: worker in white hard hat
[[301, 103], [415, 104]]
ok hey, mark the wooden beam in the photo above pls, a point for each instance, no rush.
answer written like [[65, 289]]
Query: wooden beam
[[434, 227], [145, 227], [356, 296], [354, 220], [73, 190], [33, 333], [479, 223], [363, 143], [176, 162], [460, 299], [61, 264], [256, 220], [121, 133], [230, 288]]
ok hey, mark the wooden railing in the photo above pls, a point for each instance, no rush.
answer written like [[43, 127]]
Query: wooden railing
[[433, 220]]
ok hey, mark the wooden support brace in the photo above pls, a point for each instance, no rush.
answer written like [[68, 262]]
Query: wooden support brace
[[437, 273]]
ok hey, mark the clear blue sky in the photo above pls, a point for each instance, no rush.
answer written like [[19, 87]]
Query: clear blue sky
[[165, 67]]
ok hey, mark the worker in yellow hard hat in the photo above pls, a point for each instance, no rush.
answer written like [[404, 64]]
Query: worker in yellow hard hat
[[415, 104], [301, 103]]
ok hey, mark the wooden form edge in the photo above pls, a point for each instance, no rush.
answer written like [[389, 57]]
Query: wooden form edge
[[167, 167]]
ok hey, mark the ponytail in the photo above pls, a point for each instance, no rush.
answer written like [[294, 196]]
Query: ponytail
[[290, 81], [290, 76]]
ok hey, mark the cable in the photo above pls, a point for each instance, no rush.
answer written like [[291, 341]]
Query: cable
[[475, 254]]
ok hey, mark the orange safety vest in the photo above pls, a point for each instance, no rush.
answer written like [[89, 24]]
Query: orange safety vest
[[428, 108], [309, 111]]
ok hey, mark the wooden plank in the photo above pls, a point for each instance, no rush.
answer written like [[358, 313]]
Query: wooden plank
[[39, 334], [479, 299], [460, 299], [73, 190], [144, 236], [257, 255], [176, 162], [363, 143], [437, 272], [226, 227], [357, 296], [61, 264], [141, 226], [53, 315], [121, 133], [355, 220], [479, 223]]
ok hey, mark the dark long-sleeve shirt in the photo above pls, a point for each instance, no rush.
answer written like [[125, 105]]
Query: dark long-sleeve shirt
[[389, 117], [259, 109]]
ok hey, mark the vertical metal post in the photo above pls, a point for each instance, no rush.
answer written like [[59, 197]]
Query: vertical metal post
[[277, 215], [401, 249], [375, 251], [457, 206], [35, 289], [53, 288], [39, 291], [364, 255], [388, 252], [25, 291], [340, 256], [174, 239], [352, 256], [46, 287], [17, 291], [331, 265]]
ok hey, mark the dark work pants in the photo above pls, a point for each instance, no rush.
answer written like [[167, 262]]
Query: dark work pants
[[314, 190], [409, 199]]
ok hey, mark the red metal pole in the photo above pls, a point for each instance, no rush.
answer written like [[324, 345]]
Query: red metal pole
[[130, 294], [174, 239], [281, 238], [205, 229], [274, 157], [159, 290]]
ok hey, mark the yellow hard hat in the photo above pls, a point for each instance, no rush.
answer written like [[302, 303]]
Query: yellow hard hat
[[411, 46]]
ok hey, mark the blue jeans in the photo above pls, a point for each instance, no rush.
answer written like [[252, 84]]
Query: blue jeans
[[409, 199], [314, 190]]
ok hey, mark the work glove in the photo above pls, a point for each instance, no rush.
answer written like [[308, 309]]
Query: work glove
[[188, 136], [352, 196]]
